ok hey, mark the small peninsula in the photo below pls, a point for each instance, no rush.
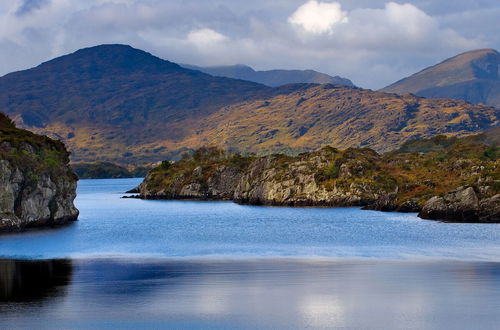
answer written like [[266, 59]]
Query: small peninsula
[[442, 178]]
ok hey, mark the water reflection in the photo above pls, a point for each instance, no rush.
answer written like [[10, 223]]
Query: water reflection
[[267, 293], [26, 280]]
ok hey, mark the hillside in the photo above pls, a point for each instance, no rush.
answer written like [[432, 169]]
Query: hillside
[[102, 99], [120, 104], [273, 78], [472, 76], [338, 116]]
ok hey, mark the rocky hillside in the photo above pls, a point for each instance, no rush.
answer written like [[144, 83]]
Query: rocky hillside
[[37, 187], [120, 104], [473, 76], [457, 180], [339, 116], [273, 78]]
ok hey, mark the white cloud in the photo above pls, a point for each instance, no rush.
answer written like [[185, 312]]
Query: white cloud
[[398, 27], [318, 17], [203, 38]]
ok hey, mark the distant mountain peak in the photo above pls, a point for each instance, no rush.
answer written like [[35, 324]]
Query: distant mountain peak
[[109, 57], [273, 78], [482, 63], [471, 76]]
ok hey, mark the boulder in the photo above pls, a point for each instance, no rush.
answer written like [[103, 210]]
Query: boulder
[[489, 209], [460, 205]]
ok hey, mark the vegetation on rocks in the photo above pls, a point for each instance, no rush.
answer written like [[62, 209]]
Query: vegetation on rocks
[[208, 173], [403, 180], [37, 187], [35, 153]]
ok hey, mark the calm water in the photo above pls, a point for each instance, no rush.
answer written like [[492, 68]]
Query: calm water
[[112, 226], [167, 264]]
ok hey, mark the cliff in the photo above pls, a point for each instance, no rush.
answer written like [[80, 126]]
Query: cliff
[[37, 187], [400, 181]]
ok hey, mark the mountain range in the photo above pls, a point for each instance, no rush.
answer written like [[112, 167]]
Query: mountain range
[[273, 78], [472, 76], [117, 103]]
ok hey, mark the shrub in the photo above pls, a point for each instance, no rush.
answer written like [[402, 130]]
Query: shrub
[[493, 152]]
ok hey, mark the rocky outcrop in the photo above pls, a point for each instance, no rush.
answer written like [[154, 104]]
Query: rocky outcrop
[[219, 184], [275, 180], [37, 187], [272, 180], [402, 181], [489, 209], [462, 205], [391, 203]]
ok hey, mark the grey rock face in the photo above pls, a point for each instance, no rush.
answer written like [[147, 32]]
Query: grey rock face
[[27, 200], [462, 205], [219, 185], [489, 209], [265, 183]]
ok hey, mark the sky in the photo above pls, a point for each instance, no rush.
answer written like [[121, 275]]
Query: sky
[[371, 42]]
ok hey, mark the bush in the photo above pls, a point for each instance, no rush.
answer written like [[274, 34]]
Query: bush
[[165, 165], [332, 171], [492, 152]]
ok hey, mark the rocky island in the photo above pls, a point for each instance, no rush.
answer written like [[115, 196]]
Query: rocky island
[[449, 179], [37, 187]]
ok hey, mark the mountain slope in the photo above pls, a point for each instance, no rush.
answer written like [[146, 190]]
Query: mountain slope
[[273, 78], [109, 94], [115, 84], [119, 104], [339, 116], [472, 76]]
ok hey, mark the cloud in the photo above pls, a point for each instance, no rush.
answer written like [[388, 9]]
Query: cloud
[[203, 38], [372, 42], [318, 17], [28, 6], [398, 27]]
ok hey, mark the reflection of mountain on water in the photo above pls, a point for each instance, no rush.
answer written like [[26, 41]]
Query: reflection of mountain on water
[[28, 280]]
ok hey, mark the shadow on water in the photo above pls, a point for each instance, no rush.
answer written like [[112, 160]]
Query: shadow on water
[[33, 280], [253, 293]]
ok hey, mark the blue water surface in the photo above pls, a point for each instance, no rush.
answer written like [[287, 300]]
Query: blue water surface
[[112, 226]]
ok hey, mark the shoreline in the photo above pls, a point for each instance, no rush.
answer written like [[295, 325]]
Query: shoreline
[[363, 207]]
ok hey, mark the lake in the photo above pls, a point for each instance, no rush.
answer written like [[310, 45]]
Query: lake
[[187, 264]]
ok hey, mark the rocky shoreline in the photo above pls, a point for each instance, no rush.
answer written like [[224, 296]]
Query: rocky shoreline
[[37, 187], [333, 178]]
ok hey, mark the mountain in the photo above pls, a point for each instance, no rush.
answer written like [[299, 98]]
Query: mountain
[[273, 78], [472, 76], [105, 98], [120, 104], [339, 116]]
